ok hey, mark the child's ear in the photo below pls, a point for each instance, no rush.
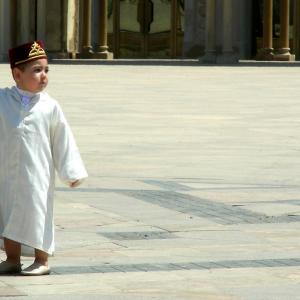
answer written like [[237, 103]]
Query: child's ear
[[16, 73]]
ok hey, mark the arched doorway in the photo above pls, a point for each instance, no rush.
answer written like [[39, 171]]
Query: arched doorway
[[146, 28]]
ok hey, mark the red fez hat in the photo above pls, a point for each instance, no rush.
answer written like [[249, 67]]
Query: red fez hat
[[26, 53]]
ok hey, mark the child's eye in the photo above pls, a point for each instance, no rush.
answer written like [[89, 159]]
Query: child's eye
[[39, 70]]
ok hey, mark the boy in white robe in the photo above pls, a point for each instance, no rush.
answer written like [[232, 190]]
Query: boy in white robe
[[36, 141]]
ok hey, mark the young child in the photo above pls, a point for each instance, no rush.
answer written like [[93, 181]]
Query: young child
[[35, 141]]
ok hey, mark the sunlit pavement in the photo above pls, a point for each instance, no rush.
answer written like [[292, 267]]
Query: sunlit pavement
[[194, 189]]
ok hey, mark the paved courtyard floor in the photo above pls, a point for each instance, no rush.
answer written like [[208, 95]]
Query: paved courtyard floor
[[194, 187]]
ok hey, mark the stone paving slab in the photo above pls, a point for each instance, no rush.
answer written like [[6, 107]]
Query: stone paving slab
[[193, 190]]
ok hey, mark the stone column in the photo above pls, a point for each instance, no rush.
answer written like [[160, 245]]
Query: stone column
[[116, 19], [174, 20], [228, 53], [13, 24], [72, 20], [296, 27], [266, 52], [64, 28], [5, 27], [52, 19], [87, 51], [103, 48], [210, 33], [24, 34], [194, 28], [244, 29], [284, 40], [41, 20]]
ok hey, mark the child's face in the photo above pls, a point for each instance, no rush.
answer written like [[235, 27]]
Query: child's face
[[34, 77]]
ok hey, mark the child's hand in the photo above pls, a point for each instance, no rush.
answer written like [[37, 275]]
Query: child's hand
[[74, 183]]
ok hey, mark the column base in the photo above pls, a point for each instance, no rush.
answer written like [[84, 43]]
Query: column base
[[227, 57], [210, 57], [283, 54], [86, 53], [265, 54], [104, 55]]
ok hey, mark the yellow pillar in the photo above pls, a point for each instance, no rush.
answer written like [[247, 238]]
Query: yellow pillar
[[103, 47], [87, 51], [296, 27], [284, 40], [266, 52]]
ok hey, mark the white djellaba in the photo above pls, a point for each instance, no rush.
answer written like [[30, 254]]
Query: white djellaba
[[35, 143]]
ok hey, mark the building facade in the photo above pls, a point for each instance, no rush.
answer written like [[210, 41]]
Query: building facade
[[213, 31]]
